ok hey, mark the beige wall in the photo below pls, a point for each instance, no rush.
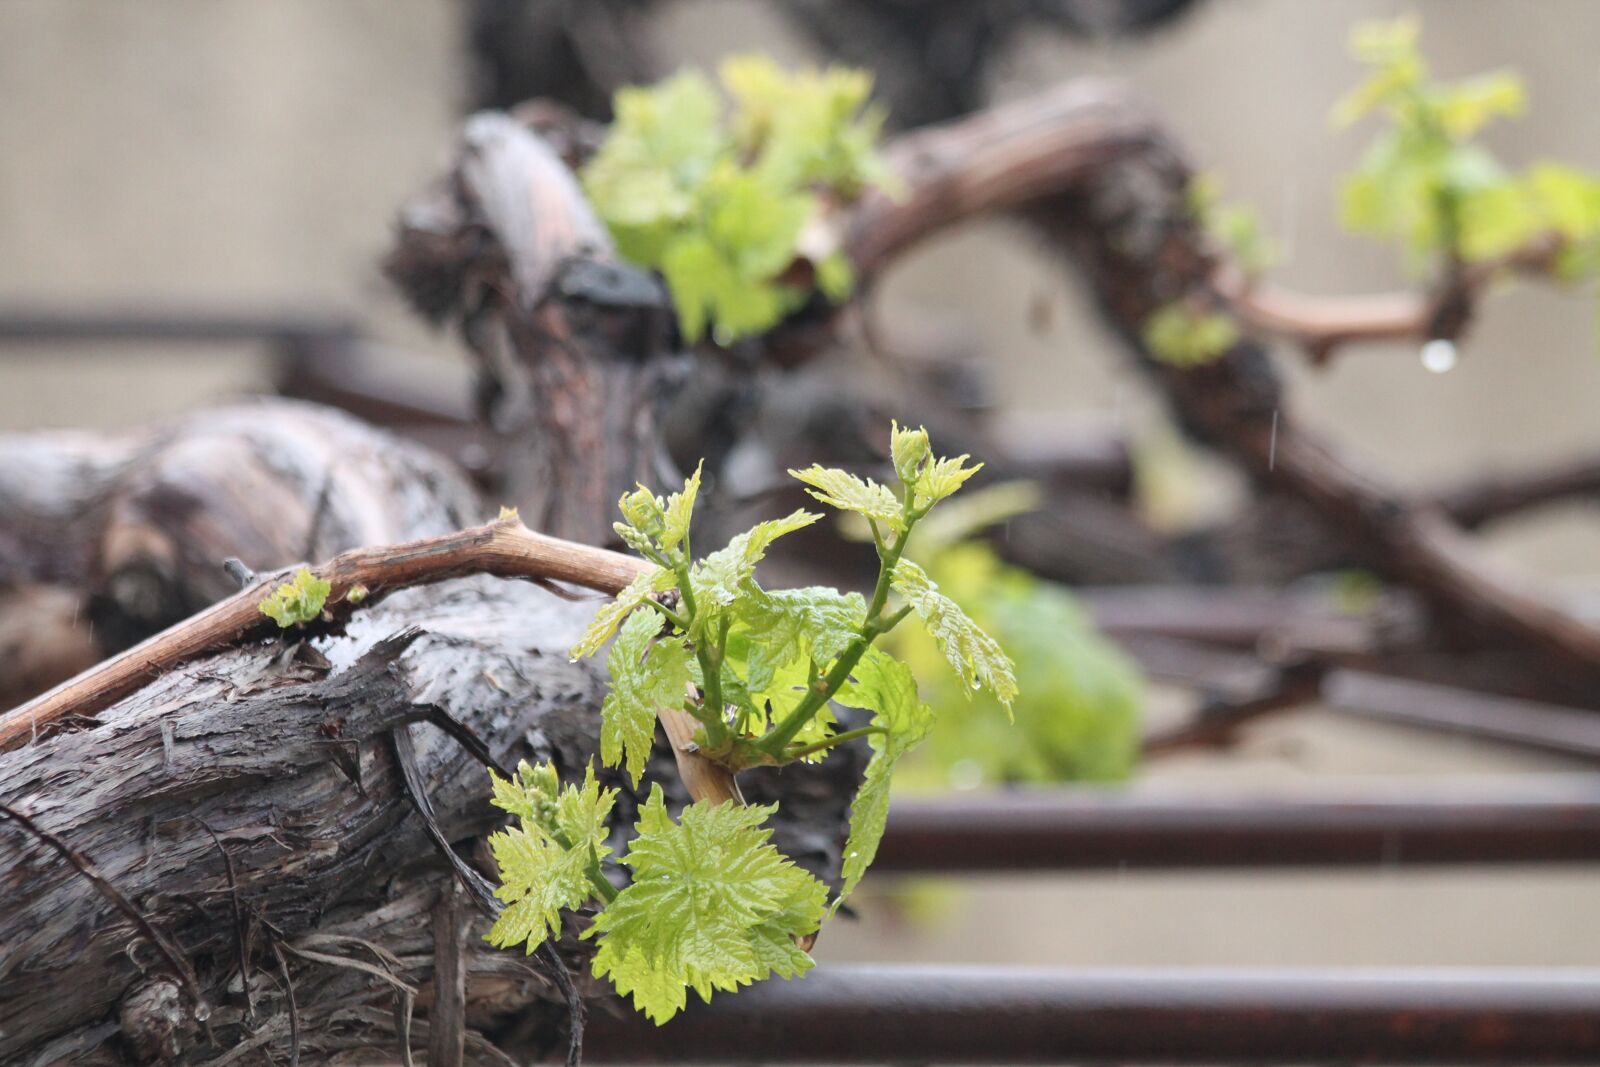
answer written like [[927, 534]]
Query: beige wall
[[250, 153]]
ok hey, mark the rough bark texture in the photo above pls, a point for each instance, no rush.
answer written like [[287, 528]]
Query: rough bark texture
[[121, 535], [572, 346]]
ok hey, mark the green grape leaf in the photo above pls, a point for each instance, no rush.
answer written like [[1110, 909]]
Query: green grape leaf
[[680, 511], [786, 625], [611, 613], [1391, 48], [720, 206], [545, 860], [719, 579], [1077, 712], [1181, 336], [788, 686], [1423, 181], [1568, 198], [757, 222], [941, 478], [707, 287], [1467, 106], [645, 674], [836, 276], [665, 140], [975, 656], [884, 685], [843, 490], [708, 906], [1495, 220], [296, 601]]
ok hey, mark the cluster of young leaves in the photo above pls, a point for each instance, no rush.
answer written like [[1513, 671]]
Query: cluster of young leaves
[[1426, 182], [299, 600], [718, 200], [1077, 714], [712, 905]]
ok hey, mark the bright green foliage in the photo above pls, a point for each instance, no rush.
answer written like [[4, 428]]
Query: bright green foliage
[[884, 685], [551, 858], [1235, 227], [1425, 182], [1180, 335], [645, 674], [789, 625], [718, 200], [843, 490], [298, 600], [721, 577], [606, 620], [976, 657], [712, 906], [1078, 711]]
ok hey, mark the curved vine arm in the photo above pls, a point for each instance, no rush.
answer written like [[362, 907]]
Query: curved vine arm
[[1106, 185]]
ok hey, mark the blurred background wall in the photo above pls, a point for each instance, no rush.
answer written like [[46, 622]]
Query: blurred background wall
[[241, 155]]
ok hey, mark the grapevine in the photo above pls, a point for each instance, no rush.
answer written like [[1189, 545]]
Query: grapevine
[[712, 904]]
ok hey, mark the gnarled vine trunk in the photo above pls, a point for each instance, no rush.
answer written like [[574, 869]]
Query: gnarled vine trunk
[[235, 861]]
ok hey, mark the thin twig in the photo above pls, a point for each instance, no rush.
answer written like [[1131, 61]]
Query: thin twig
[[405, 756], [294, 1009], [240, 939], [506, 549], [556, 967]]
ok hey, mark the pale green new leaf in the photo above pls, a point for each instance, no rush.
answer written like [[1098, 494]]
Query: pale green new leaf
[[1466, 106], [786, 625], [721, 577], [645, 674], [720, 207], [843, 490], [710, 898], [1568, 199], [885, 686], [545, 860], [612, 612], [680, 510], [941, 478], [975, 656], [708, 287], [298, 600]]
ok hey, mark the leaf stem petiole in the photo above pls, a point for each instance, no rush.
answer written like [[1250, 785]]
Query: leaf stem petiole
[[835, 739]]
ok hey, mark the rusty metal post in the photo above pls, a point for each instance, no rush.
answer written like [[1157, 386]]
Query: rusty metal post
[[1545, 820], [920, 1015]]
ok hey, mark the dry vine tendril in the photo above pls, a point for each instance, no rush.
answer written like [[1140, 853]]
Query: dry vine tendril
[[712, 905]]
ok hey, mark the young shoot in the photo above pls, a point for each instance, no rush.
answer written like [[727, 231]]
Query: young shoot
[[711, 904]]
